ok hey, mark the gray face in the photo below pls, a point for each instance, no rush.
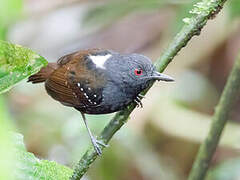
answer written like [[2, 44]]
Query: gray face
[[130, 72]]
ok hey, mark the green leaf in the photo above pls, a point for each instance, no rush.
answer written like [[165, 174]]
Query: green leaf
[[6, 155], [30, 167], [16, 64], [18, 164]]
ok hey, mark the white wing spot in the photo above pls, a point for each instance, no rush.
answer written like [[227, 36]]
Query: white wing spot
[[79, 84], [81, 89], [95, 95], [100, 60]]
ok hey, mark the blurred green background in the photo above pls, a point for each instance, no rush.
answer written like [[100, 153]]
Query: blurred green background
[[160, 141]]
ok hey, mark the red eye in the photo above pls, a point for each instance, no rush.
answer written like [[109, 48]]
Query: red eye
[[138, 72]]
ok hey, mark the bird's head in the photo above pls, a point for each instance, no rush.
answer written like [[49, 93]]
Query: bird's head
[[132, 71]]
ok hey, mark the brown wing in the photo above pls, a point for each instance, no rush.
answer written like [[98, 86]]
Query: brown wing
[[73, 84], [78, 55], [58, 88]]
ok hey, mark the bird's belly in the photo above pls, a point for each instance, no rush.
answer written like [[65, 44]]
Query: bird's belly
[[104, 108]]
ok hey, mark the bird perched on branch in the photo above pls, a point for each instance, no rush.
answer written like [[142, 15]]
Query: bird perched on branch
[[98, 81]]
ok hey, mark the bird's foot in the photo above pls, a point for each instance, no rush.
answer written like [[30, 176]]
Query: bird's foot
[[101, 143], [96, 146], [138, 101]]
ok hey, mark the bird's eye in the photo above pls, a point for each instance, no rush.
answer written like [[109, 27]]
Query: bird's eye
[[138, 72]]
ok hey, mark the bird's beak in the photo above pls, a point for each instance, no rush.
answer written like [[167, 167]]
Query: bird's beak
[[161, 77]]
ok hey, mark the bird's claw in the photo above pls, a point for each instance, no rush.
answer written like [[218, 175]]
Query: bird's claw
[[141, 96], [138, 101], [101, 143], [96, 146]]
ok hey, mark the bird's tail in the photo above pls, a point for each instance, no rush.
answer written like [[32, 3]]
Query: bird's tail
[[43, 74]]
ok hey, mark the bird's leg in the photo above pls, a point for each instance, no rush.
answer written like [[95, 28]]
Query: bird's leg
[[138, 101], [94, 141]]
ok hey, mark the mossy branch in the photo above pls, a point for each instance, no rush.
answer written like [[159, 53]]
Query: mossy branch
[[203, 11], [228, 98]]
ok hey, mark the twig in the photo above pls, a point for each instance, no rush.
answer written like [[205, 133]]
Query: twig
[[209, 8], [228, 98]]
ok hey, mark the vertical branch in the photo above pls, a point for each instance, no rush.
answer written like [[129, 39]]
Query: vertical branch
[[203, 11], [228, 98]]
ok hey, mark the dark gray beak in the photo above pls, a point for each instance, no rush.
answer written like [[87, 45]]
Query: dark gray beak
[[161, 77]]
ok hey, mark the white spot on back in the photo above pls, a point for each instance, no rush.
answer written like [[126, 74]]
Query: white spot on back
[[100, 60]]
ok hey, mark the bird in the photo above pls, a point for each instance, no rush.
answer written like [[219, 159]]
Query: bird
[[98, 81]]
